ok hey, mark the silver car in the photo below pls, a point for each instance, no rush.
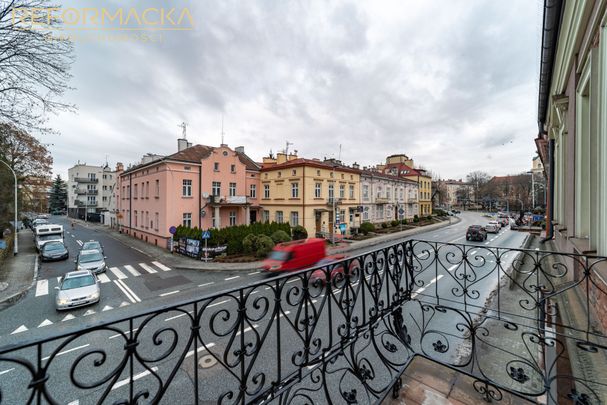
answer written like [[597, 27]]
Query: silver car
[[92, 260], [77, 288]]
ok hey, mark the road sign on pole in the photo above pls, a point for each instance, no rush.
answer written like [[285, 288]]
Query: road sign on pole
[[206, 234]]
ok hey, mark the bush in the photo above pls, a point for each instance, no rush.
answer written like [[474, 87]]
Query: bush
[[280, 237], [367, 227], [441, 213], [264, 246], [403, 221], [249, 243], [384, 225], [415, 218], [299, 232], [395, 222], [429, 217]]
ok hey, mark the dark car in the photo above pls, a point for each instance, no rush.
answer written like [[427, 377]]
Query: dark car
[[476, 232], [54, 250]]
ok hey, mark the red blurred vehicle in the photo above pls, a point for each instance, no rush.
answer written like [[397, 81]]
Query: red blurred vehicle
[[297, 255]]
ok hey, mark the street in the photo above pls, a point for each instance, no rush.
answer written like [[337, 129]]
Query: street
[[136, 283]]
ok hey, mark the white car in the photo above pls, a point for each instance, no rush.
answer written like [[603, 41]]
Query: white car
[[493, 227]]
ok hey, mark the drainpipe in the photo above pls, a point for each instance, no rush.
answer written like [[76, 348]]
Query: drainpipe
[[549, 225], [200, 195]]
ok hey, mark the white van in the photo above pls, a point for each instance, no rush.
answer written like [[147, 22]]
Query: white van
[[47, 233]]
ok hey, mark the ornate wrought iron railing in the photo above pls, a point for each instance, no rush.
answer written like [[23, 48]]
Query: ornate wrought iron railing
[[342, 333]]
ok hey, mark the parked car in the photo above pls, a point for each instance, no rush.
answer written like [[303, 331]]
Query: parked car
[[476, 233], [493, 227], [54, 250], [77, 288], [295, 255], [37, 222], [46, 233], [92, 260], [456, 211], [92, 245], [504, 220]]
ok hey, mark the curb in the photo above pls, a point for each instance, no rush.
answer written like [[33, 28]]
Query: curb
[[16, 297]]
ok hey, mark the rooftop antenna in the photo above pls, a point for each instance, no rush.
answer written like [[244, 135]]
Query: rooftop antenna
[[339, 155], [183, 126], [222, 134], [287, 148]]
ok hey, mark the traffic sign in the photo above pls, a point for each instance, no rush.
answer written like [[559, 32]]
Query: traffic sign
[[401, 211], [172, 230], [206, 234]]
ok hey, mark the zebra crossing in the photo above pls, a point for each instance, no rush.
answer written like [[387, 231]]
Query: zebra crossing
[[114, 273]]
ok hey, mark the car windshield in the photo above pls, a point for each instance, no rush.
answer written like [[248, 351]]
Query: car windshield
[[49, 237], [278, 255], [53, 246], [91, 245], [77, 282], [90, 257]]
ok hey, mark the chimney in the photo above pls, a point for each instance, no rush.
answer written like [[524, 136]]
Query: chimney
[[281, 157], [239, 149], [119, 167], [182, 144], [355, 166]]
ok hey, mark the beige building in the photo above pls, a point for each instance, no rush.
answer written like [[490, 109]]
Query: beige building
[[318, 195], [402, 166], [458, 192]]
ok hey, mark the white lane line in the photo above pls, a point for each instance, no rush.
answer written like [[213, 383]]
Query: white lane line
[[7, 371], [129, 290], [76, 402], [455, 240], [135, 377], [217, 303], [161, 266], [118, 273], [205, 284], [131, 270], [147, 268], [177, 316], [103, 278], [293, 280], [41, 288], [169, 293], [255, 272], [140, 251], [486, 243], [126, 333], [130, 298], [67, 351], [80, 242], [422, 289], [473, 252], [72, 236], [200, 349], [452, 267], [231, 278]]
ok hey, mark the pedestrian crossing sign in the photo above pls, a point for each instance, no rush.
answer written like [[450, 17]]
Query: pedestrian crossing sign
[[206, 235]]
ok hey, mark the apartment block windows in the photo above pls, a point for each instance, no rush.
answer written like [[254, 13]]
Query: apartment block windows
[[388, 192], [317, 190], [128, 192], [187, 219], [187, 188], [216, 190], [216, 166], [294, 190], [213, 219], [351, 192], [233, 168], [232, 218], [294, 218], [331, 191], [365, 192], [253, 191], [135, 191], [156, 221], [279, 217], [147, 218], [266, 216], [342, 191], [266, 191], [157, 190], [135, 219], [92, 176], [232, 189], [147, 189]]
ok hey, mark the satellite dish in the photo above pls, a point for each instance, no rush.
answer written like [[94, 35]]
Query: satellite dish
[[205, 195]]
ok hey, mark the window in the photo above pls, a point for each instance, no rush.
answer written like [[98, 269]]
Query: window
[[216, 188], [342, 215], [331, 191], [187, 219], [318, 172], [232, 218], [293, 172], [294, 218], [232, 189], [366, 192], [213, 219], [142, 189], [135, 190], [317, 190], [156, 222], [135, 218], [351, 192], [147, 218], [332, 174], [92, 176], [147, 189], [253, 191], [378, 192], [342, 176], [216, 166], [104, 177], [123, 192], [266, 191], [128, 191], [104, 198], [233, 168], [388, 192], [157, 189], [294, 190], [187, 188], [365, 215], [279, 217], [105, 187], [342, 191], [266, 216], [279, 174]]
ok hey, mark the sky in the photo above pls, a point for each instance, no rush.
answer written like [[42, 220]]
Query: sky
[[453, 84]]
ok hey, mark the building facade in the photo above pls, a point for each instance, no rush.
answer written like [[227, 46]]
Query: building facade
[[91, 189], [198, 186], [383, 196], [402, 166], [318, 195], [458, 193]]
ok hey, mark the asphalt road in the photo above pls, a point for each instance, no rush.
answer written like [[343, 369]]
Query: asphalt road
[[221, 334]]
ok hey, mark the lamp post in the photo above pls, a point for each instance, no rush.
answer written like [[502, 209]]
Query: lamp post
[[16, 241], [532, 190]]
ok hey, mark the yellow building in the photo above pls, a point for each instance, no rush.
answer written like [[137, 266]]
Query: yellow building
[[400, 165], [308, 192]]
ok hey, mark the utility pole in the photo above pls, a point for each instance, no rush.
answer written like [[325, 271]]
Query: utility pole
[[16, 239]]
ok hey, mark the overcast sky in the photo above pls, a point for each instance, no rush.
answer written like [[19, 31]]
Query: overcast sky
[[452, 84]]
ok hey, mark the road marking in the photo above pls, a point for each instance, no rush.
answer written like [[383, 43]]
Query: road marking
[[45, 323], [129, 290], [455, 240], [422, 289], [124, 304], [72, 236], [231, 278], [255, 272], [89, 312], [20, 329], [147, 268], [473, 252], [126, 333], [80, 242], [117, 282], [217, 303], [67, 351], [486, 243], [68, 317], [103, 278], [140, 251], [169, 293], [452, 267], [76, 402], [58, 279], [41, 288], [7, 371], [107, 308], [200, 349], [135, 377], [132, 270], [177, 316], [202, 285], [293, 280], [161, 266], [117, 273]]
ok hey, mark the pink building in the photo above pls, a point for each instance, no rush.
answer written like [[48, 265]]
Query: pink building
[[199, 186]]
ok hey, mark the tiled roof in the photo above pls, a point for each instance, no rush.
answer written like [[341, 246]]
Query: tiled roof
[[401, 166], [248, 162], [370, 173], [308, 162]]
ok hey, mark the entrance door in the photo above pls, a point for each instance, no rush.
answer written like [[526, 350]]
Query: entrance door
[[317, 216], [253, 216]]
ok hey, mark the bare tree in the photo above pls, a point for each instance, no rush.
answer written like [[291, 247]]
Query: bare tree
[[477, 180], [34, 65]]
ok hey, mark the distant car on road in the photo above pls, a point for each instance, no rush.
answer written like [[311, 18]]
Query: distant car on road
[[92, 260], [476, 233], [92, 245], [493, 227], [54, 250], [77, 288]]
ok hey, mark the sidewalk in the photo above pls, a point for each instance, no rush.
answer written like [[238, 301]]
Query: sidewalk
[[19, 272], [185, 263]]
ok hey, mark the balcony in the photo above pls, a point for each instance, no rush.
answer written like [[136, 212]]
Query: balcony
[[85, 180], [86, 192], [505, 320], [381, 200], [80, 203], [334, 200], [229, 200]]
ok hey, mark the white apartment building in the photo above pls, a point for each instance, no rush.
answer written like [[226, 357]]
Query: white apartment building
[[91, 189], [458, 193], [383, 196]]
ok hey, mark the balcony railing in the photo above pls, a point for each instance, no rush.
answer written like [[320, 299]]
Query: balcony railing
[[334, 200], [490, 313], [80, 203], [86, 192], [85, 180]]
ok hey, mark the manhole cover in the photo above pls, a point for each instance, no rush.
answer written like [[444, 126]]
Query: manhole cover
[[207, 361]]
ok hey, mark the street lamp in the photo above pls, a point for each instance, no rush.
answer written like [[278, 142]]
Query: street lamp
[[16, 241], [532, 190]]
